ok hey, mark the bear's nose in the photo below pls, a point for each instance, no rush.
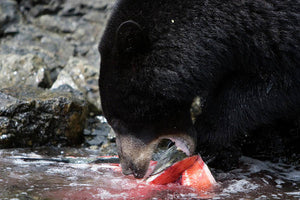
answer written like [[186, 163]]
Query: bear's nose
[[137, 171], [132, 169], [138, 175]]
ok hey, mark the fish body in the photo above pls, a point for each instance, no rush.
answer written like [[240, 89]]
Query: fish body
[[191, 172]]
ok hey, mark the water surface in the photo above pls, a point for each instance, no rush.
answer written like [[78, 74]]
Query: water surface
[[71, 175]]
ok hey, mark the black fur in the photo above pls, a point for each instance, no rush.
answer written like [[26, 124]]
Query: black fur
[[242, 57]]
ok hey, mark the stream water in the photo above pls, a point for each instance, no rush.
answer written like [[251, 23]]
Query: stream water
[[77, 178]]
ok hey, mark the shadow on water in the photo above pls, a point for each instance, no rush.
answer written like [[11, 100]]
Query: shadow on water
[[70, 174]]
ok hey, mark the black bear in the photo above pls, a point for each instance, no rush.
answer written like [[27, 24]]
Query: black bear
[[241, 57]]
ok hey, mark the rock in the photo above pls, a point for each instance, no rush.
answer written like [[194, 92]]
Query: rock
[[100, 135], [8, 14], [95, 17], [98, 132], [81, 7], [31, 117], [78, 73], [64, 79], [23, 70], [29, 39], [35, 8], [57, 24], [43, 27], [42, 42]]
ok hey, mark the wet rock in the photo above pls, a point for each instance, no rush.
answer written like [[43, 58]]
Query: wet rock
[[31, 117], [23, 70], [80, 74]]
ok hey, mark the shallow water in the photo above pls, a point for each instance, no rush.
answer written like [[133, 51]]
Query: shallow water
[[80, 179]]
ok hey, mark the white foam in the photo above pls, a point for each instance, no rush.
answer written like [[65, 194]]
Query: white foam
[[240, 186], [58, 170], [23, 163], [80, 166], [284, 171], [279, 181], [104, 194], [265, 181], [79, 184], [296, 194]]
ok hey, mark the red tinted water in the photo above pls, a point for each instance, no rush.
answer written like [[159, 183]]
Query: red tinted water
[[113, 185]]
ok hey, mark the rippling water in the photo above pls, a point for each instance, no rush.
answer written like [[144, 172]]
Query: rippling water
[[42, 179]]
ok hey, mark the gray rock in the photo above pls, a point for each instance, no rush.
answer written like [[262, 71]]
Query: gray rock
[[57, 24], [35, 8], [81, 75], [95, 17], [23, 70], [64, 79], [81, 7], [31, 117], [54, 30], [42, 42], [30, 39], [8, 14], [98, 132]]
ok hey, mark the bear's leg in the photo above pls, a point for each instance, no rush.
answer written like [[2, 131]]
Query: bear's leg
[[242, 104]]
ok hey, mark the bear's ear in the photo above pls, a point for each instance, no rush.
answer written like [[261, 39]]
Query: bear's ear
[[130, 39]]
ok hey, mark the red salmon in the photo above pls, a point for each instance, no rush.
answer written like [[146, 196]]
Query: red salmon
[[191, 171]]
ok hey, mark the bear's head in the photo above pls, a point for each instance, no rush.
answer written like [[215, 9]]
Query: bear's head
[[144, 95]]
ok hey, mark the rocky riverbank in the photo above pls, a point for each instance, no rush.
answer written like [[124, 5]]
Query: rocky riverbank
[[49, 69]]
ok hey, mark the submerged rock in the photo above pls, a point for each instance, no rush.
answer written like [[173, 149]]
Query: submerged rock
[[31, 117]]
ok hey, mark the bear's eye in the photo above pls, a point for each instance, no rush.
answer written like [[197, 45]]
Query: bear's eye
[[130, 39]]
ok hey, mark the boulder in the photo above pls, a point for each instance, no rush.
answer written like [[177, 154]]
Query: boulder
[[31, 117]]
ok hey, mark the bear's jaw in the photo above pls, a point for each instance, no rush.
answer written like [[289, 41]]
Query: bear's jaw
[[135, 154]]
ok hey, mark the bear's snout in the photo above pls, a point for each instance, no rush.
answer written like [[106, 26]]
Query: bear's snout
[[138, 170], [134, 154]]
